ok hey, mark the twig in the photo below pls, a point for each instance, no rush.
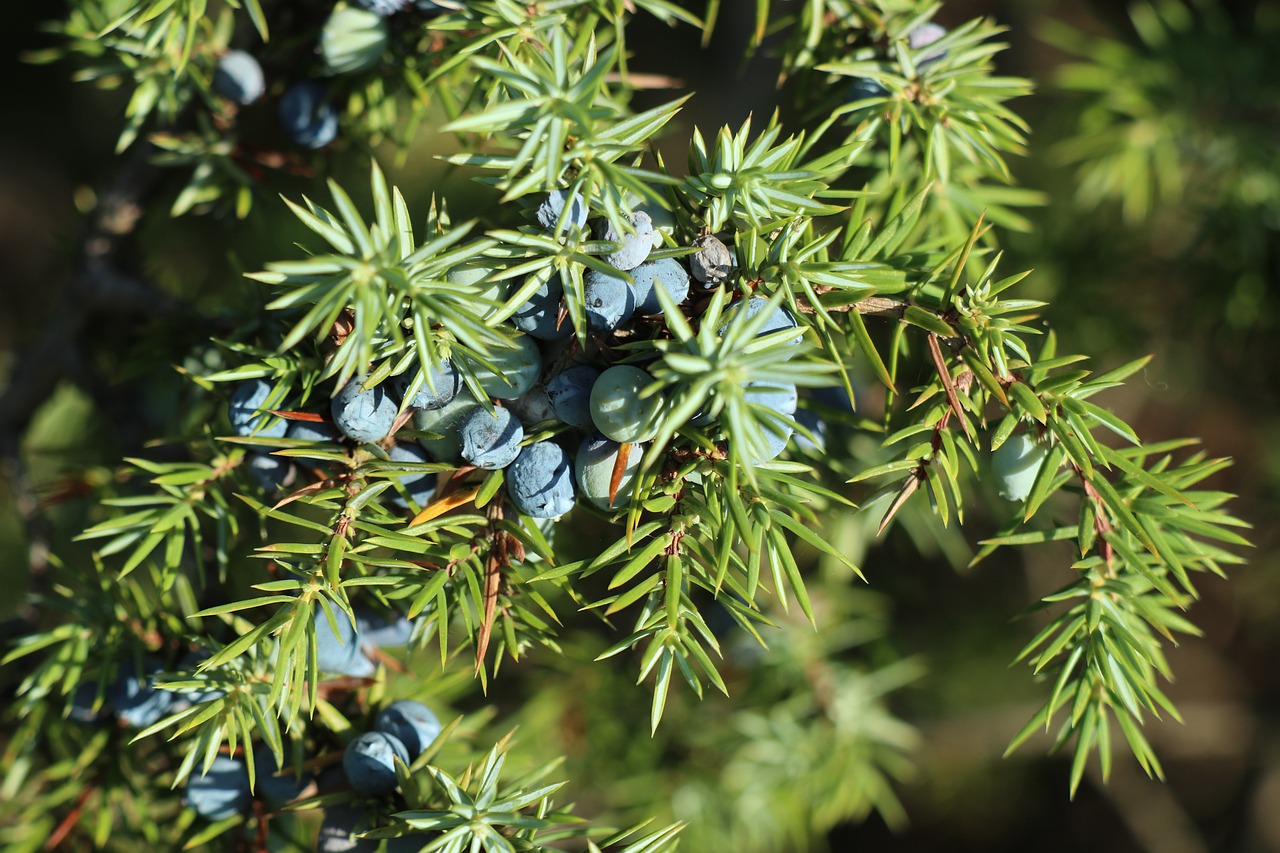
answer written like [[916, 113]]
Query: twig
[[872, 306], [645, 81]]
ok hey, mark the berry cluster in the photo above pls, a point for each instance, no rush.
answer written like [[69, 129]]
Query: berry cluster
[[353, 40], [224, 790], [564, 413], [598, 411], [402, 731], [130, 698]]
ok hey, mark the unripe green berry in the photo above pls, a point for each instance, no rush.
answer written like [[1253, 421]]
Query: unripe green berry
[[593, 469], [353, 40], [1015, 465], [617, 409]]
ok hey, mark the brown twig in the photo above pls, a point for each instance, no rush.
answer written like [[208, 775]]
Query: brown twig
[[646, 81], [496, 560], [944, 376], [872, 306], [68, 823]]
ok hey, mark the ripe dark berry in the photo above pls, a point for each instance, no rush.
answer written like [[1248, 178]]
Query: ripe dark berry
[[609, 300], [136, 700], [533, 407], [307, 116], [340, 653], [779, 319], [420, 487], [247, 411], [275, 782], [776, 438], [377, 630], [221, 793], [238, 77], [780, 399], [540, 316], [862, 89], [552, 209], [666, 273], [774, 397], [570, 394], [271, 473], [363, 414], [539, 481], [491, 441], [316, 431], [341, 825], [413, 723], [439, 385], [369, 762], [634, 247]]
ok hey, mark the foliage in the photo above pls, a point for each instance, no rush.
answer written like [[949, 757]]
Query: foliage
[[1181, 145]]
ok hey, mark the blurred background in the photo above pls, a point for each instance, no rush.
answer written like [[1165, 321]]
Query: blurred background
[[1159, 166]]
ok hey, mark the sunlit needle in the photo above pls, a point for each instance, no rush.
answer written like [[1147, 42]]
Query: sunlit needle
[[443, 505]]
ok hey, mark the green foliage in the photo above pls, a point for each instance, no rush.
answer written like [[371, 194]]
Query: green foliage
[[384, 282], [1181, 126], [865, 228], [758, 182], [565, 122], [1181, 144]]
